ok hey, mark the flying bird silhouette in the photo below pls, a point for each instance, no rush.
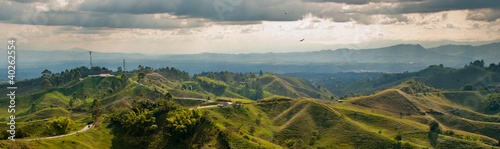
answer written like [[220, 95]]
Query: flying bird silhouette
[[302, 40], [286, 12]]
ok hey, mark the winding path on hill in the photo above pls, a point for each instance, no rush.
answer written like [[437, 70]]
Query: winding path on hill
[[87, 127]]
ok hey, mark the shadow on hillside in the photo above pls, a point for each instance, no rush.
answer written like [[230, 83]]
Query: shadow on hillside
[[433, 138]]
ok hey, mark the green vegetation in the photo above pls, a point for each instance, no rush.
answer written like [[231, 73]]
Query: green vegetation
[[268, 111], [434, 127], [213, 86], [96, 109], [139, 123], [60, 126], [184, 123], [492, 103]]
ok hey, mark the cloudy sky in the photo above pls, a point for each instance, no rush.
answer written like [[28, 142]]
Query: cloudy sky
[[245, 26]]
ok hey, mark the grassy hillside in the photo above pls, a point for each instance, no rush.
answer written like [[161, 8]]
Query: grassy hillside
[[395, 111], [293, 87], [433, 76], [151, 112]]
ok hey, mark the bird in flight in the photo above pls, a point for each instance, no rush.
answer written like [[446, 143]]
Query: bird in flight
[[302, 40], [286, 12]]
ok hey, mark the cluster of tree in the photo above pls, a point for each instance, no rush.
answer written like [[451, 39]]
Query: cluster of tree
[[476, 63], [480, 63], [59, 126], [252, 89], [50, 79], [213, 86], [172, 73], [112, 85], [140, 122], [492, 103], [97, 109], [228, 77], [434, 131], [184, 123], [416, 87], [57, 79], [494, 67]]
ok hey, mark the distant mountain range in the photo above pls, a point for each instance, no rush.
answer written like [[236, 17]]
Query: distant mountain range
[[397, 58], [403, 53]]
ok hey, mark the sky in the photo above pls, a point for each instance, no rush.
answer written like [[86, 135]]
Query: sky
[[245, 26]]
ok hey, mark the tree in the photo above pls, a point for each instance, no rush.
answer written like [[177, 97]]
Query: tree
[[259, 92], [270, 73], [398, 139], [72, 100], [33, 108], [119, 69], [96, 109], [141, 76], [477, 63], [184, 123], [169, 96], [77, 76], [469, 87], [124, 78], [84, 95], [260, 73], [140, 122], [46, 84], [492, 103], [46, 73], [60, 126], [434, 127]]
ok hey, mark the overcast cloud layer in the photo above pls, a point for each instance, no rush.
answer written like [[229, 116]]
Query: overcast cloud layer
[[173, 26]]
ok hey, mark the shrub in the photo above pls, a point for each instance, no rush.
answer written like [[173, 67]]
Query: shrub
[[184, 123], [59, 126], [469, 87], [434, 127], [139, 123], [290, 142], [492, 103], [449, 132]]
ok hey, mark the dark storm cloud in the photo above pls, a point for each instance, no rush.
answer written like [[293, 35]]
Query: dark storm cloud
[[273, 10], [29, 1], [93, 19], [489, 15], [8, 12], [446, 5], [197, 13], [362, 2], [216, 10]]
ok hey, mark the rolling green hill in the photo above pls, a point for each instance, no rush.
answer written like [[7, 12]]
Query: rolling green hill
[[434, 76], [140, 113]]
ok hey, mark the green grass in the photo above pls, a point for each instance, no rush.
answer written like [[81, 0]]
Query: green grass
[[45, 113], [292, 87], [188, 103], [391, 101], [468, 99], [99, 137]]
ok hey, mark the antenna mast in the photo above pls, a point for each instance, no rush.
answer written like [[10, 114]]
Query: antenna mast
[[123, 65], [90, 53]]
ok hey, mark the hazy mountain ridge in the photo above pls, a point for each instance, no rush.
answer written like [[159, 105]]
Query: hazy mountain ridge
[[401, 53], [397, 58]]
